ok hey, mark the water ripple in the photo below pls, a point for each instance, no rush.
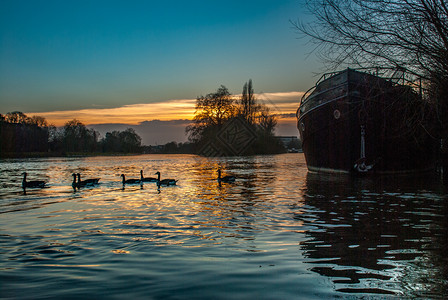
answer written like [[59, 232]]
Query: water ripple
[[278, 232]]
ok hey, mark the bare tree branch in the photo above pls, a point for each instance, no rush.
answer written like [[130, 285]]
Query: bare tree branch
[[410, 34]]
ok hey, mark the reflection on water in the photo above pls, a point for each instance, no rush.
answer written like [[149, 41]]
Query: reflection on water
[[385, 235], [278, 232]]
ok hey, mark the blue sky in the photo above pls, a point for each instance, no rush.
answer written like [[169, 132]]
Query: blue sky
[[80, 59], [66, 55]]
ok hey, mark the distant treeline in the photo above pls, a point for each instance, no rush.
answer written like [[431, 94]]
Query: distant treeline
[[21, 135], [170, 148]]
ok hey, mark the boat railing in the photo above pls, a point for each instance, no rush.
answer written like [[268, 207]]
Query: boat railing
[[304, 96], [309, 91], [321, 78], [398, 76]]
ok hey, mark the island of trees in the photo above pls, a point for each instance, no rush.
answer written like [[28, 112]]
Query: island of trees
[[224, 125]]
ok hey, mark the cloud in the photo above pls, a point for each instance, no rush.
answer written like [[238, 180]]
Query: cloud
[[129, 114], [286, 116], [286, 97], [155, 132]]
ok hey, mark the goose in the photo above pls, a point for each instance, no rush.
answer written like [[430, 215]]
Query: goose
[[167, 181], [32, 184], [146, 179], [225, 179], [87, 182], [74, 181], [130, 181]]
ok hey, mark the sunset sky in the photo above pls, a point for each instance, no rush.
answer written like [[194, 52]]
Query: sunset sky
[[133, 62]]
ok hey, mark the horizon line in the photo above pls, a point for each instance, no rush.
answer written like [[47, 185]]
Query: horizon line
[[177, 109]]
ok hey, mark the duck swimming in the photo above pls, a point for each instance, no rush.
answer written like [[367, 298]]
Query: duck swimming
[[146, 179], [165, 182], [225, 179], [32, 184]]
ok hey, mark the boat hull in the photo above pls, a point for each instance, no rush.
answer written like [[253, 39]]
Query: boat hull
[[357, 122]]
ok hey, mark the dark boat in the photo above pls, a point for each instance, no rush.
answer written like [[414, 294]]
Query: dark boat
[[354, 121]]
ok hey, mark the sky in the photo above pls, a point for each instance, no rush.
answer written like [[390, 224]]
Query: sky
[[137, 62]]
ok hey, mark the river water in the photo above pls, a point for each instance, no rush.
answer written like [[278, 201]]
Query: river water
[[278, 232]]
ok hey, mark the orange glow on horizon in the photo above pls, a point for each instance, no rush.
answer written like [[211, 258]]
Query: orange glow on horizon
[[279, 103], [128, 114]]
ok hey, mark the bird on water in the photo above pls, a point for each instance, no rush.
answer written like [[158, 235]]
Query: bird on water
[[130, 181], [32, 184], [146, 179], [225, 179], [87, 182], [74, 181], [165, 182]]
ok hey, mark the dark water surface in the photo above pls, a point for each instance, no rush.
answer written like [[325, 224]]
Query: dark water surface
[[278, 232]]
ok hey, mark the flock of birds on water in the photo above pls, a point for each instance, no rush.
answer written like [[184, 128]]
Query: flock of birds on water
[[78, 183]]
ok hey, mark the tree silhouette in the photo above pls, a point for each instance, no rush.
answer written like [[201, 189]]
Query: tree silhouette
[[215, 110], [20, 134], [127, 141], [76, 137], [130, 141], [248, 105], [212, 111], [409, 34]]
